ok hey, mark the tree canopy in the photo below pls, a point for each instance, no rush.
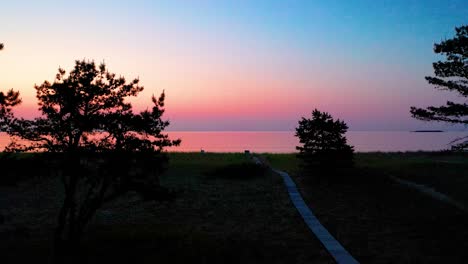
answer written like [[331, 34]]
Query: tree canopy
[[450, 75], [7, 101], [88, 110]]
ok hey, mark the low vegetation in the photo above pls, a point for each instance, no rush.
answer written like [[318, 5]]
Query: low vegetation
[[211, 220], [379, 220], [239, 171], [14, 169], [444, 172], [221, 216]]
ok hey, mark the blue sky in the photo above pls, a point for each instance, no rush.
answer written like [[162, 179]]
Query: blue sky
[[243, 65]]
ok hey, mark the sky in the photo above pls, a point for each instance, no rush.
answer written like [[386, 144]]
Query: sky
[[242, 65]]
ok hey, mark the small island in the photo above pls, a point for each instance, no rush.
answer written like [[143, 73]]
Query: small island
[[427, 131]]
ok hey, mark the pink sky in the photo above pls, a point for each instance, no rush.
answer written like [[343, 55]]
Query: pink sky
[[234, 67]]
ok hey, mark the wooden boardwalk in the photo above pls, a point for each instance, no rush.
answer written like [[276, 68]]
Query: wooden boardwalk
[[336, 250]]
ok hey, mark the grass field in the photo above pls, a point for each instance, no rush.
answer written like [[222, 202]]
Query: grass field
[[380, 221], [444, 172], [218, 217], [229, 211]]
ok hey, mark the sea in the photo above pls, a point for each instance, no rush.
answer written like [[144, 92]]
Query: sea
[[286, 142]]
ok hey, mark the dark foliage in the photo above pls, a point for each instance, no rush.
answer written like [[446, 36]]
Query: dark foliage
[[240, 171], [450, 75], [15, 168], [323, 142], [7, 101], [96, 143], [79, 107]]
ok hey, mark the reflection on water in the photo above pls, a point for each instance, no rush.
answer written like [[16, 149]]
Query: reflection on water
[[284, 142]]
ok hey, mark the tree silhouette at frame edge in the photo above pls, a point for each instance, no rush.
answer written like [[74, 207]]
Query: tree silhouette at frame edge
[[450, 75]]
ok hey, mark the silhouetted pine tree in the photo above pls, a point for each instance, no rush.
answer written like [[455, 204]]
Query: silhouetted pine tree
[[451, 75], [323, 142], [92, 137]]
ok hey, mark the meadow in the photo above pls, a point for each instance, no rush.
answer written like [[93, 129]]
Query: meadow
[[226, 210], [381, 221], [229, 210]]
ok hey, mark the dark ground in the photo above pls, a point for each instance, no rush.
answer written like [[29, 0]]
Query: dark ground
[[379, 221], [218, 217]]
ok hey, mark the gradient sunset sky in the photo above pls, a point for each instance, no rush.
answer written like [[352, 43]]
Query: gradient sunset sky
[[242, 65]]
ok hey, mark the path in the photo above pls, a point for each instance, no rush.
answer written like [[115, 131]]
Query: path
[[336, 250], [431, 192]]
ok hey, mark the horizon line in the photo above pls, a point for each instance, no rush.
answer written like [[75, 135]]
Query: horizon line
[[279, 131]]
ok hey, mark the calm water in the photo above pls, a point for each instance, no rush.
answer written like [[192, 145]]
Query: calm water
[[284, 142]]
